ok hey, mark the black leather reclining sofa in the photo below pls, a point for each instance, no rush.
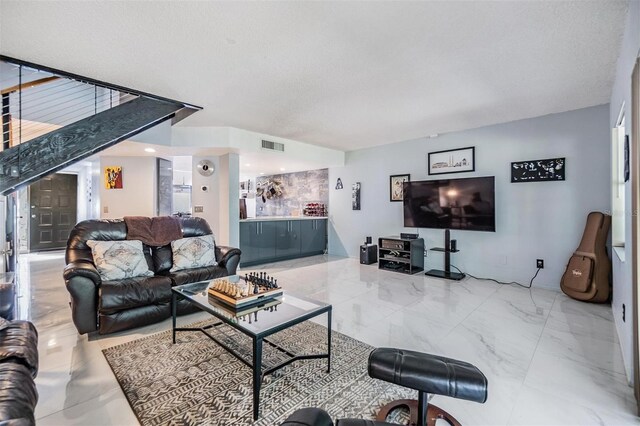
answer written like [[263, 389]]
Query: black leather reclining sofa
[[110, 306], [18, 369]]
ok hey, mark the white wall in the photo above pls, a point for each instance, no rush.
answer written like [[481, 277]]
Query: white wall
[[86, 191], [138, 195], [220, 202], [621, 95], [160, 134], [96, 188], [533, 220], [229, 196], [209, 199], [247, 142]]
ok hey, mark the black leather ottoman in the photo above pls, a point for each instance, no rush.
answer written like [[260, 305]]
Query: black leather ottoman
[[415, 370], [428, 374]]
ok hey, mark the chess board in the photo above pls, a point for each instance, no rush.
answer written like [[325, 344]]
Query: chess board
[[240, 311], [262, 296]]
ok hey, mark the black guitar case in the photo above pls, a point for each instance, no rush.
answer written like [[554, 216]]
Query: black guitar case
[[588, 273]]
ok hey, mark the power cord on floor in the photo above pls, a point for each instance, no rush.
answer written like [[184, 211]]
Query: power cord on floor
[[501, 282]]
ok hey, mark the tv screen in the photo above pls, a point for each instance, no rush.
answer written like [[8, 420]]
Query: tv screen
[[466, 204]]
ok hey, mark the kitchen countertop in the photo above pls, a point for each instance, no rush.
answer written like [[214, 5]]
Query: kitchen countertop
[[264, 218]]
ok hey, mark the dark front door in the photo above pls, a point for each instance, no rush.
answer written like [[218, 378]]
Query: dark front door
[[53, 209]]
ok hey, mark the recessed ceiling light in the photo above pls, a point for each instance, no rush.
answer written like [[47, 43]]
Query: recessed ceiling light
[[282, 169], [248, 165], [261, 173], [149, 150]]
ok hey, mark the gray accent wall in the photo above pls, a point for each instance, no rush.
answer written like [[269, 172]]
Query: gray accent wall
[[536, 220]]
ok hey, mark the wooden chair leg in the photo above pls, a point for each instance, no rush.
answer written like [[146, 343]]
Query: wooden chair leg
[[433, 412]]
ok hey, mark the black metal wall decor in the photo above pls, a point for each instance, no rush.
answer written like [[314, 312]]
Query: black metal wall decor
[[339, 184], [538, 170]]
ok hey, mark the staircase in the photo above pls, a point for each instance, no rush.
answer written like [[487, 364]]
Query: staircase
[[52, 119]]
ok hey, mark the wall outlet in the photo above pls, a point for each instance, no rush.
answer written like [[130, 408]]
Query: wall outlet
[[105, 209], [198, 209], [540, 263]]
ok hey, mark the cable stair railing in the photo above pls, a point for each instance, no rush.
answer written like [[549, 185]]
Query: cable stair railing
[[52, 119]]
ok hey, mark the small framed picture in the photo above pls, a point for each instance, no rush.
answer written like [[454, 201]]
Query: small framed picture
[[113, 177], [395, 186], [355, 196], [626, 158], [452, 161]]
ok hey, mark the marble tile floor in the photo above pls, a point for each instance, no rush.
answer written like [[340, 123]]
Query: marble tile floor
[[549, 359]]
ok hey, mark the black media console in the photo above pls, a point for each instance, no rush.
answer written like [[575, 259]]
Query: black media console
[[401, 255]]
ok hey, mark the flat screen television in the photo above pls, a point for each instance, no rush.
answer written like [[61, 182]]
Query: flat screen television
[[466, 204]]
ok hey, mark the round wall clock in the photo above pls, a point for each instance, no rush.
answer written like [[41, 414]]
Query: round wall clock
[[206, 168]]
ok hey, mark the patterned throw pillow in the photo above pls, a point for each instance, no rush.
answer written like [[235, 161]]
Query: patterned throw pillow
[[116, 260], [194, 252]]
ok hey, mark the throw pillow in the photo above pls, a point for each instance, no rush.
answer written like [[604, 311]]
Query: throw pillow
[[194, 252], [117, 260]]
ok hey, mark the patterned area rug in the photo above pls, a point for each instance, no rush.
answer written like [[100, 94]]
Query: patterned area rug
[[197, 382]]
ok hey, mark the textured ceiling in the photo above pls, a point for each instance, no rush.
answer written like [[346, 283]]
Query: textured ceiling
[[341, 74]]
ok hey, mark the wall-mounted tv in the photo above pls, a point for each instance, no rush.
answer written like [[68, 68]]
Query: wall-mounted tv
[[466, 204]]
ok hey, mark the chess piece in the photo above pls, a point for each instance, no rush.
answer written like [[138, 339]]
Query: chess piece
[[256, 290]]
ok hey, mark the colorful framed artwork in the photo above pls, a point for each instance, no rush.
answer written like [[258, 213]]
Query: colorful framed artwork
[[113, 177]]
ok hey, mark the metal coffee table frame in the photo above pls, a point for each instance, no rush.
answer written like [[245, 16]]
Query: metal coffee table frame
[[257, 338]]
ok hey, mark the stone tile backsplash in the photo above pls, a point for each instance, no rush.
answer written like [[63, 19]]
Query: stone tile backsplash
[[297, 189]]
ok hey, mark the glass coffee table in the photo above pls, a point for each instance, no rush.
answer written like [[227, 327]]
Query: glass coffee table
[[275, 314]]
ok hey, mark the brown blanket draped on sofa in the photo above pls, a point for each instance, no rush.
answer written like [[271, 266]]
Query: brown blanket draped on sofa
[[153, 231]]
